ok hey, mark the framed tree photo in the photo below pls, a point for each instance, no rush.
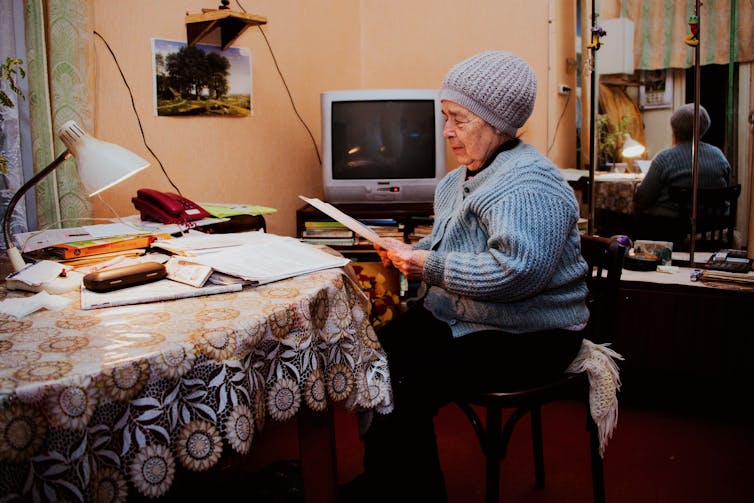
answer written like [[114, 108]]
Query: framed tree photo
[[202, 80]]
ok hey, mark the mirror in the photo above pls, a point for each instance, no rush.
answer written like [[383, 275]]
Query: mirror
[[652, 96]]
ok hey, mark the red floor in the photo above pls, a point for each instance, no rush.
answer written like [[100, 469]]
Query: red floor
[[652, 457]]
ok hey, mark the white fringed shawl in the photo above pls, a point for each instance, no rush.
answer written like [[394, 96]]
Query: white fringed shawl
[[598, 360]]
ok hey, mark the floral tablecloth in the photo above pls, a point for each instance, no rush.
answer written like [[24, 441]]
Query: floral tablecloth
[[615, 192], [95, 405]]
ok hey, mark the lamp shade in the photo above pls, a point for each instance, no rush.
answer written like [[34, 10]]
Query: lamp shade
[[100, 164], [631, 147]]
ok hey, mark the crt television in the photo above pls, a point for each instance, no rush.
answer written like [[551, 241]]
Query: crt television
[[382, 145]]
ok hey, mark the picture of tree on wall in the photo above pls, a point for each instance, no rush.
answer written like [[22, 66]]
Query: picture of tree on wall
[[202, 80]]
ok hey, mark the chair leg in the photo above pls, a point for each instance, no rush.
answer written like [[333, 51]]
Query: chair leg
[[536, 443], [493, 454], [598, 475]]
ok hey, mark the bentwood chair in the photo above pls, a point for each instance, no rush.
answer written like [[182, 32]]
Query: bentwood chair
[[605, 259], [716, 212]]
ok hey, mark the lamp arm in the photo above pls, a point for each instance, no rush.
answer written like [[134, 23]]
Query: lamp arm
[[20, 193]]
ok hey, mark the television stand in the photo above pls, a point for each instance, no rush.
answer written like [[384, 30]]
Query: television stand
[[406, 216]]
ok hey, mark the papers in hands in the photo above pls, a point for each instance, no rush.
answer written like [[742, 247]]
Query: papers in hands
[[350, 222]]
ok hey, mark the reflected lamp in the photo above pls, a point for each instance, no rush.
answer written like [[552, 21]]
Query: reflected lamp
[[100, 166], [631, 147]]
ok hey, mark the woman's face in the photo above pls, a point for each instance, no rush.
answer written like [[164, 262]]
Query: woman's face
[[471, 138]]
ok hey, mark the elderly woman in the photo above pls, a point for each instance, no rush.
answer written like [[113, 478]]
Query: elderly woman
[[672, 166], [503, 294]]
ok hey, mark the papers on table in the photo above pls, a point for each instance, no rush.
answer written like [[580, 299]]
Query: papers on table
[[37, 273], [127, 226], [254, 257], [22, 306], [163, 289], [643, 165], [195, 242], [264, 258], [571, 175], [353, 224], [619, 177], [31, 241]]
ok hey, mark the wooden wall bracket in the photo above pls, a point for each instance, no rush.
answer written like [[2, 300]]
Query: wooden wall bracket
[[231, 24]]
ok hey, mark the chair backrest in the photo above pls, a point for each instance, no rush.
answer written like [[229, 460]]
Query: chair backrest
[[605, 259], [716, 212]]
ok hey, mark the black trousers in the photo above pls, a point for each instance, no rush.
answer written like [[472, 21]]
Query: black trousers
[[428, 369]]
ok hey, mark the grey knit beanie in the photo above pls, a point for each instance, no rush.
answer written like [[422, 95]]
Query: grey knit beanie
[[682, 122], [497, 86]]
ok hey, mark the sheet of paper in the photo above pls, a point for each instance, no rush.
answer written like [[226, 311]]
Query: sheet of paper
[[22, 306], [196, 241], [36, 240], [109, 230], [38, 272], [350, 222], [264, 258], [571, 175], [619, 177], [164, 289]]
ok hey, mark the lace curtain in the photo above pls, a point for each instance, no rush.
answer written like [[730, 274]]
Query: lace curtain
[[10, 128], [59, 78], [65, 65]]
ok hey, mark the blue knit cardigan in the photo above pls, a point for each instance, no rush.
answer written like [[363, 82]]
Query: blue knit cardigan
[[505, 248]]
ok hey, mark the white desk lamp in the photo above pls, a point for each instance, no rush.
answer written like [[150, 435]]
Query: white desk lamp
[[100, 165], [631, 147]]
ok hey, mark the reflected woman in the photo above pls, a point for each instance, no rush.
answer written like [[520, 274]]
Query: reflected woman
[[672, 167]]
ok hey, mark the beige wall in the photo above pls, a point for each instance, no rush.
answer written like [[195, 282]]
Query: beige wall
[[269, 158]]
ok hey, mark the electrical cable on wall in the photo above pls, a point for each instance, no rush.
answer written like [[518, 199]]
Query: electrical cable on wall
[[557, 125], [287, 89], [138, 119]]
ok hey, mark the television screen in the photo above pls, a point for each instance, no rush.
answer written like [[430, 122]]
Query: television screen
[[382, 145], [383, 139]]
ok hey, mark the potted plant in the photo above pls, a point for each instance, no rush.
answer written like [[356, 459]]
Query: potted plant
[[10, 71], [610, 140]]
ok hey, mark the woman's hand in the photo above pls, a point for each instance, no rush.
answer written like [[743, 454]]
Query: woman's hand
[[403, 257], [394, 244], [409, 262]]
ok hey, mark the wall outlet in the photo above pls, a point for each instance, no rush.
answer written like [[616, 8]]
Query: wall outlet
[[564, 89]]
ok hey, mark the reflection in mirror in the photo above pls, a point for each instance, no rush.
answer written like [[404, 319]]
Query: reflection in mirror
[[645, 101]]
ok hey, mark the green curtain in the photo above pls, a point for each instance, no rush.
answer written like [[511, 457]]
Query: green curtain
[[661, 27], [60, 89]]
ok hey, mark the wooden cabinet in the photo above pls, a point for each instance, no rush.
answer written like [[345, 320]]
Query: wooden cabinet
[[683, 343]]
